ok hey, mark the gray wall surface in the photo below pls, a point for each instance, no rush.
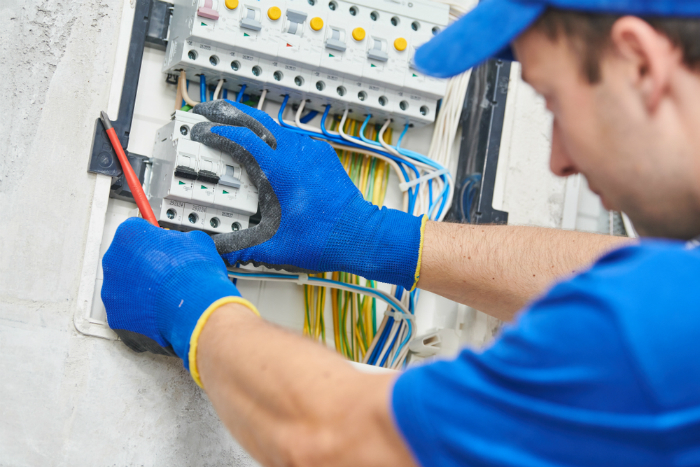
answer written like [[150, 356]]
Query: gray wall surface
[[67, 399]]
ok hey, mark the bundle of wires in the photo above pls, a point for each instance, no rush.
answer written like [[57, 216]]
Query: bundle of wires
[[354, 316], [368, 155], [428, 189]]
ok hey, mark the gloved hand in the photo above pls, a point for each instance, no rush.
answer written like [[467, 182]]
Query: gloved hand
[[164, 285], [313, 216]]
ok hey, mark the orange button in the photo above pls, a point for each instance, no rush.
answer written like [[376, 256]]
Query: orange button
[[358, 34], [231, 4], [274, 13], [400, 44], [316, 23]]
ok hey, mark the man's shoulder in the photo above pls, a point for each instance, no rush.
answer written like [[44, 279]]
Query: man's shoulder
[[650, 293], [653, 272]]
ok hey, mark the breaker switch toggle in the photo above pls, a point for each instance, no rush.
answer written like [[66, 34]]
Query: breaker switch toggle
[[228, 178], [250, 20], [295, 20], [335, 41], [377, 50], [207, 11]]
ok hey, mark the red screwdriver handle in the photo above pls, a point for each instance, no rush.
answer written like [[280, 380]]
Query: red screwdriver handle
[[131, 178]]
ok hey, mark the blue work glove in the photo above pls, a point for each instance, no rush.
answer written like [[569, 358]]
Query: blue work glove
[[163, 285], [313, 216]]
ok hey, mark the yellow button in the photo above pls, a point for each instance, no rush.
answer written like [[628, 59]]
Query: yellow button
[[358, 34], [231, 4], [274, 13], [316, 23], [400, 44]]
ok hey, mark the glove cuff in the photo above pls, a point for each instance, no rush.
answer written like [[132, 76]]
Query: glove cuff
[[416, 277], [378, 244], [194, 339], [183, 298]]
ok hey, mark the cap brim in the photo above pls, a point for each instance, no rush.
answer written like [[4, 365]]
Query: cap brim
[[483, 33]]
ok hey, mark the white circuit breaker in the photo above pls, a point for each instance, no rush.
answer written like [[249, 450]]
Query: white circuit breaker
[[193, 186], [355, 56]]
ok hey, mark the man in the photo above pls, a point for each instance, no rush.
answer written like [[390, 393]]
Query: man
[[602, 369]]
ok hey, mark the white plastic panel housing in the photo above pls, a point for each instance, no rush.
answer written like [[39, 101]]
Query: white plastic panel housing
[[307, 50], [181, 191]]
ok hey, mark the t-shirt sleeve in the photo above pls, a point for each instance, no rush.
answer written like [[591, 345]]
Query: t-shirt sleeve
[[557, 388]]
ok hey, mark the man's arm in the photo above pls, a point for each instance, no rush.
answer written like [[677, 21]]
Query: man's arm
[[494, 269], [498, 269], [290, 401]]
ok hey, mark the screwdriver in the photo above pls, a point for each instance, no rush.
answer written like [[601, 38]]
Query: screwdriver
[[131, 178]]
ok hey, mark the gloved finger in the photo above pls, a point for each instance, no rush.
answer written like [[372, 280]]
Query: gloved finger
[[242, 144], [241, 115]]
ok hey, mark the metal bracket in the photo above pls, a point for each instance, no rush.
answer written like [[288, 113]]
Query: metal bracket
[[151, 20], [482, 127]]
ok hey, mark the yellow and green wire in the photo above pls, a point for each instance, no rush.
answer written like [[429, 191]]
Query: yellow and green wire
[[354, 315]]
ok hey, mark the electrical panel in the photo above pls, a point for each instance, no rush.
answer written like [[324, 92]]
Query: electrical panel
[[355, 56], [193, 186]]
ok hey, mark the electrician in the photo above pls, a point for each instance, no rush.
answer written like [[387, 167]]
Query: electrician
[[602, 364]]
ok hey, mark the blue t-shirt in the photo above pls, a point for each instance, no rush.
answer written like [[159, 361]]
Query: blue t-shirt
[[602, 371]]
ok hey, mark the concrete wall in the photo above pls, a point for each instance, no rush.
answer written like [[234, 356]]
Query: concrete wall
[[68, 399], [73, 400]]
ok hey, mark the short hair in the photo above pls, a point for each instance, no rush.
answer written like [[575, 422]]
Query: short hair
[[590, 36]]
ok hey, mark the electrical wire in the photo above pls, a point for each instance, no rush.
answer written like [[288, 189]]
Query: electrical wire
[[428, 189], [304, 279], [219, 86], [389, 347], [239, 97], [202, 88], [183, 89], [262, 99]]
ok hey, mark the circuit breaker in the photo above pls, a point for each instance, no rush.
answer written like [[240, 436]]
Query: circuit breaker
[[355, 56], [193, 186]]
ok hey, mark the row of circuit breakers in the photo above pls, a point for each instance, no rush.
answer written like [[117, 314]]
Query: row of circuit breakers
[[355, 56], [352, 56]]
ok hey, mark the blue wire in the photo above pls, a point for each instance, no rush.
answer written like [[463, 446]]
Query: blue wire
[[211, 94], [225, 96], [380, 342], [413, 298], [386, 355], [202, 88], [308, 117], [338, 139], [295, 277], [385, 334], [187, 85], [239, 97]]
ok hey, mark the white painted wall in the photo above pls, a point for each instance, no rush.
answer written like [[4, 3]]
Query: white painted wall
[[71, 400]]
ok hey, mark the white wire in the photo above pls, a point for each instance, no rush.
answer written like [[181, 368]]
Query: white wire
[[262, 99], [218, 89], [183, 89], [391, 301]]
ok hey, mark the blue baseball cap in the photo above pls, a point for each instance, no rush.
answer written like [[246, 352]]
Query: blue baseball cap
[[488, 30]]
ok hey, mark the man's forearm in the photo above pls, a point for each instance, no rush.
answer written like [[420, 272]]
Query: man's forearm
[[290, 401], [498, 269]]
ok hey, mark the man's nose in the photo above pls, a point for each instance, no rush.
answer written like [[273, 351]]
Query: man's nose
[[559, 162]]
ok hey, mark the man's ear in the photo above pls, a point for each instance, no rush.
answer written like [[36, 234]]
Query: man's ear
[[651, 57]]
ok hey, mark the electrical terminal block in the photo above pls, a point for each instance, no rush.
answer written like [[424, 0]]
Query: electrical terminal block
[[195, 187]]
